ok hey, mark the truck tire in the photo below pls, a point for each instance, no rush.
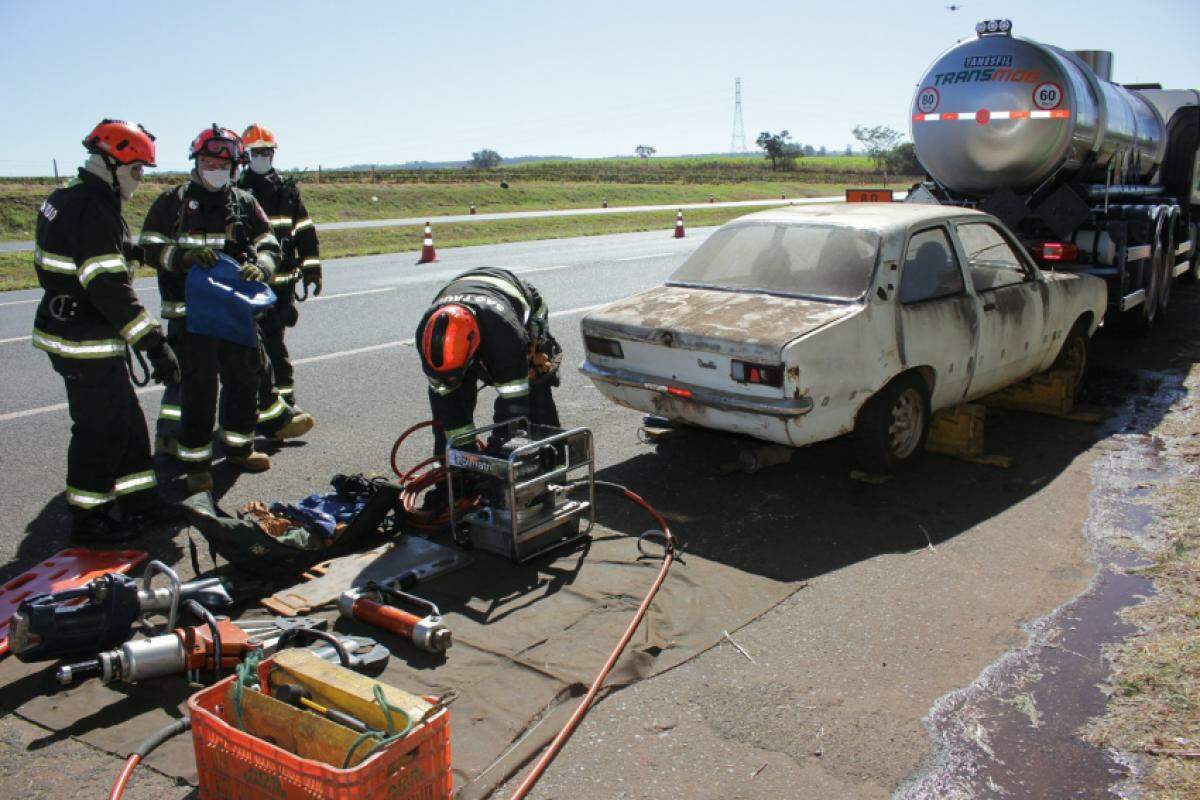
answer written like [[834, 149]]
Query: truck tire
[[892, 426], [1140, 320], [1193, 272], [1166, 247], [1073, 357]]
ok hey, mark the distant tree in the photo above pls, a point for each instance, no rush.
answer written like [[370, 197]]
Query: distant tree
[[782, 152], [485, 159], [849, 150], [824, 151], [878, 141], [902, 160], [644, 150], [809, 150]]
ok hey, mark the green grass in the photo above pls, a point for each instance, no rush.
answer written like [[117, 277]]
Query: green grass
[[16, 269], [328, 202]]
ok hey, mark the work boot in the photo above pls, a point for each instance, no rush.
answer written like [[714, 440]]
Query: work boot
[[160, 512], [199, 482], [300, 424], [253, 461], [98, 528]]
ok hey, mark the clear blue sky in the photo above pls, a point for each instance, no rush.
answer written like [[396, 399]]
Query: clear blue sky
[[384, 82]]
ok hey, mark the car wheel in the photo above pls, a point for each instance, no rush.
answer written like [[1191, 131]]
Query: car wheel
[[892, 426], [1073, 357]]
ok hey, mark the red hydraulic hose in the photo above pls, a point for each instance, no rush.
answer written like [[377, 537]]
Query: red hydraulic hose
[[414, 482], [585, 704], [118, 788], [144, 749]]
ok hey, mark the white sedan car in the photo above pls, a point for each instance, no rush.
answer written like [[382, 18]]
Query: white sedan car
[[800, 324]]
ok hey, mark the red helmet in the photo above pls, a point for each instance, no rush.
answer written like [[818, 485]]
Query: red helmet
[[450, 339], [257, 136], [122, 142], [217, 142]]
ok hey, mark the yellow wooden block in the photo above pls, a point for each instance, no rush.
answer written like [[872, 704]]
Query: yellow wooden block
[[1045, 393], [336, 687], [300, 732], [958, 431]]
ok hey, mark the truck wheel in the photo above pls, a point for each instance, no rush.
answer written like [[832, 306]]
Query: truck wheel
[[1073, 357], [892, 426], [1193, 272], [1165, 255], [1141, 319]]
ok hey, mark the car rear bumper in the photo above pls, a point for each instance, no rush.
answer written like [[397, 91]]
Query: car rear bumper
[[782, 408]]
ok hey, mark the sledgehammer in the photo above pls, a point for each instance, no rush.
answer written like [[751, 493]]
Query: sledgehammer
[[372, 604]]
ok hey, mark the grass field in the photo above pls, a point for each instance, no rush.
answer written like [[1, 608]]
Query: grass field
[[16, 269]]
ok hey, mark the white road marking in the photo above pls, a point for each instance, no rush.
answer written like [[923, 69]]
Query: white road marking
[[19, 302], [15, 339], [29, 412], [319, 298], [643, 258]]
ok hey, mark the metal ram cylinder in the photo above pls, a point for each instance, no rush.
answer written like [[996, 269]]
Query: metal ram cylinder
[[998, 111]]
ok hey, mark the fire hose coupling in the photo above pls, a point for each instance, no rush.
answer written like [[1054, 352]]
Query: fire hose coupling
[[377, 604]]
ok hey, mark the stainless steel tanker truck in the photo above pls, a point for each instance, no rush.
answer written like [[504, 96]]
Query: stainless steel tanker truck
[[1091, 175]]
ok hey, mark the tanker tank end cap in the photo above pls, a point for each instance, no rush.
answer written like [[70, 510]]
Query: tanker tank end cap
[[991, 27]]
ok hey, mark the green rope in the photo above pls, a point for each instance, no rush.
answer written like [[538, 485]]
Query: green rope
[[247, 675], [381, 740]]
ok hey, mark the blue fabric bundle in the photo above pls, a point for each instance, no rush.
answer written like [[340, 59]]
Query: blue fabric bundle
[[222, 305]]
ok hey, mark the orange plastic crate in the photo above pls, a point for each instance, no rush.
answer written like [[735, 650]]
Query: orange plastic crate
[[233, 765]]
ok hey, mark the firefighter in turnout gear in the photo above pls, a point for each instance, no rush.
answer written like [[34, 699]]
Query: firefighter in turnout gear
[[185, 228], [487, 325], [293, 227], [87, 320]]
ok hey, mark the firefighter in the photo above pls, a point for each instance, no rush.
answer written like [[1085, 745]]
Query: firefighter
[[185, 229], [293, 227], [86, 321], [487, 325]]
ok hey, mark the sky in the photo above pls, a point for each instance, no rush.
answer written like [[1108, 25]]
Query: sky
[[387, 82]]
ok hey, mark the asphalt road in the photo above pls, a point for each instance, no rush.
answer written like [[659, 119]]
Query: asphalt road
[[911, 588]]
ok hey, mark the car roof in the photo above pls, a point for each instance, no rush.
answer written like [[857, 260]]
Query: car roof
[[878, 217]]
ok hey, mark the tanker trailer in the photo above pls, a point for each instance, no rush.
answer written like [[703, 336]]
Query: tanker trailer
[[1092, 176]]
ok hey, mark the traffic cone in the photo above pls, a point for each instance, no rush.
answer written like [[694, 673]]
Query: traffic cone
[[472, 208], [679, 224], [427, 252]]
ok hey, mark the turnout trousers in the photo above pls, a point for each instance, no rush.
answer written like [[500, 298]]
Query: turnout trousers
[[207, 362], [109, 455], [273, 327], [170, 413], [458, 415]]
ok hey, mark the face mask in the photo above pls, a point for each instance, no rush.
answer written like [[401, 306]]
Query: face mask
[[128, 181], [214, 179], [261, 165]]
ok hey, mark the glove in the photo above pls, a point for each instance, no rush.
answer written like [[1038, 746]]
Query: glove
[[164, 366], [203, 257], [312, 277], [252, 272]]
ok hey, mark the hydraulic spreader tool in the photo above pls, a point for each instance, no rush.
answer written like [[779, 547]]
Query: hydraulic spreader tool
[[382, 606], [104, 612]]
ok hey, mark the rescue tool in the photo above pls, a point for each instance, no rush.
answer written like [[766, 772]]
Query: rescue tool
[[104, 612], [377, 604]]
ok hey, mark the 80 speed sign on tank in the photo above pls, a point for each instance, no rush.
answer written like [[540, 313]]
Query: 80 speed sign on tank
[[928, 100]]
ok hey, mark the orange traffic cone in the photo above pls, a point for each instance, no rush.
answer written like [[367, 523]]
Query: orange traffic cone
[[427, 252], [679, 224]]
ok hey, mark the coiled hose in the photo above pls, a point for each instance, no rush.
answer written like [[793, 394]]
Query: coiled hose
[[415, 481]]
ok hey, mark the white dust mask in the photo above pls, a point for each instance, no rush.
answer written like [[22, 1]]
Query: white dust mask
[[261, 165], [127, 181], [215, 179]]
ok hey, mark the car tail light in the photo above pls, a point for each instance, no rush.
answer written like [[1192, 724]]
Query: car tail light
[[686, 394], [604, 347], [765, 374], [1058, 252]]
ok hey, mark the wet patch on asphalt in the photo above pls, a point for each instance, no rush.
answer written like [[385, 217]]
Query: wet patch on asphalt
[[1013, 733]]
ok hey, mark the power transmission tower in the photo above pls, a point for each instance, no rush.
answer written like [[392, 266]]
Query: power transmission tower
[[737, 143]]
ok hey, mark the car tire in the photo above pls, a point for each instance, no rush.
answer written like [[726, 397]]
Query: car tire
[[892, 426], [1073, 356]]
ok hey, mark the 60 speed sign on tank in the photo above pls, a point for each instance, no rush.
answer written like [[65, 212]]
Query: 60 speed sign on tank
[[1047, 96]]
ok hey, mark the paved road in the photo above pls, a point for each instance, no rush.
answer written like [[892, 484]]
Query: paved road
[[914, 587], [11, 247]]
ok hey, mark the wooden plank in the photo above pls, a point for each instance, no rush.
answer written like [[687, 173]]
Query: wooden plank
[[303, 733], [336, 687]]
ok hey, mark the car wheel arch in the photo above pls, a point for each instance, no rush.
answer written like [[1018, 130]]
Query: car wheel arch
[[927, 374]]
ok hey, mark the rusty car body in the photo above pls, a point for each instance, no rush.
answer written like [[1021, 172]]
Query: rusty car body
[[784, 324]]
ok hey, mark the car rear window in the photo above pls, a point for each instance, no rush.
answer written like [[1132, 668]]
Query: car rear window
[[782, 258]]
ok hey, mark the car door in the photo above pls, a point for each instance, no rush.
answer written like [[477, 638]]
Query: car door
[[1011, 300], [938, 317]]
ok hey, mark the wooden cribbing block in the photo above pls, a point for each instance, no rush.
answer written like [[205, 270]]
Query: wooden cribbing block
[[301, 732], [958, 431], [1046, 393]]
